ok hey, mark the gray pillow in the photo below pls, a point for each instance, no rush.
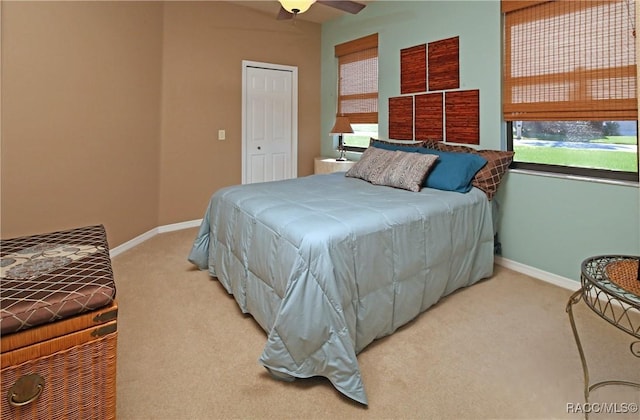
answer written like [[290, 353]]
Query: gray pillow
[[372, 162], [405, 170]]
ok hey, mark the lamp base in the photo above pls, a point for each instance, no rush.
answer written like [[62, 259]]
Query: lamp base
[[341, 159]]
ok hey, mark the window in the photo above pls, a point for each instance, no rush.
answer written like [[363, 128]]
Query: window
[[570, 86], [358, 89], [605, 149], [362, 134]]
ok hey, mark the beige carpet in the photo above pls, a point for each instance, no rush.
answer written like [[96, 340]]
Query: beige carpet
[[502, 348]]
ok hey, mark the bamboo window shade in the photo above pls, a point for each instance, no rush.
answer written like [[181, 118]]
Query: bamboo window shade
[[569, 60], [358, 79]]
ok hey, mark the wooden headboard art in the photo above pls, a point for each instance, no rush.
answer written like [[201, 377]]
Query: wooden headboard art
[[431, 105]]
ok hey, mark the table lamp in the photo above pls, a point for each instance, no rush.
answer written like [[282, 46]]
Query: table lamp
[[342, 126]]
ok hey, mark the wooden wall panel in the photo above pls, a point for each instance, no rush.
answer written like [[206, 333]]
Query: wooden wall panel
[[444, 64], [401, 118], [429, 117], [507, 6], [462, 110], [413, 69]]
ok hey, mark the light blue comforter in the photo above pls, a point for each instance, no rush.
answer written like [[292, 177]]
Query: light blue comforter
[[326, 264]]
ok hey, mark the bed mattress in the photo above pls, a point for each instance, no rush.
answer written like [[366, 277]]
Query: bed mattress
[[326, 264]]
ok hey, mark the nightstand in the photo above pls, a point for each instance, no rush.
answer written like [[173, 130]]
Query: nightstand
[[327, 165]]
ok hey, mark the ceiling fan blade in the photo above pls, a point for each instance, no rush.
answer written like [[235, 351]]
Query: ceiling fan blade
[[283, 14], [344, 5]]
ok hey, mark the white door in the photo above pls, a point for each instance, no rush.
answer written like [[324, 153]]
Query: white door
[[269, 122]]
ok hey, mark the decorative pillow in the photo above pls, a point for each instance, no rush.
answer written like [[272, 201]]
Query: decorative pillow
[[372, 162], [445, 147], [489, 177], [453, 171], [396, 145], [406, 170], [433, 144]]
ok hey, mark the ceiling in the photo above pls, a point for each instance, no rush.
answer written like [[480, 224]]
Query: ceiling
[[318, 13]]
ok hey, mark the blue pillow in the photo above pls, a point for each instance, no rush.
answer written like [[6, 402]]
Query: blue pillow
[[452, 171], [396, 146]]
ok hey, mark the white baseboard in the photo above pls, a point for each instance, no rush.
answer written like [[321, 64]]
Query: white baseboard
[[180, 226], [545, 276], [554, 279], [151, 233]]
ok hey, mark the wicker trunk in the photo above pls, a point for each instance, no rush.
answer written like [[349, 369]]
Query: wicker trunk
[[65, 369], [58, 321]]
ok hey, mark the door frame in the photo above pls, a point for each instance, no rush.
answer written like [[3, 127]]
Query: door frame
[[294, 112]]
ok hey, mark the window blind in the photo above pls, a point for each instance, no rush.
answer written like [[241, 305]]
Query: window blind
[[569, 60], [358, 79]]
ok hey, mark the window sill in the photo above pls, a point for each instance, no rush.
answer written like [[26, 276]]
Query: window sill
[[577, 178]]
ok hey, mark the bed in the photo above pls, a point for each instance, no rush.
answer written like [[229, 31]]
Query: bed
[[328, 263]]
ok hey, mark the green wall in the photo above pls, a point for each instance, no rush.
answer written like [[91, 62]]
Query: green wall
[[549, 224]]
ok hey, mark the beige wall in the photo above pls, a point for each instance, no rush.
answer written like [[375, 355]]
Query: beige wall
[[204, 45], [80, 116], [110, 110]]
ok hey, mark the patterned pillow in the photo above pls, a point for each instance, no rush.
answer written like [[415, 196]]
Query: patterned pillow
[[405, 170], [394, 144], [489, 177], [433, 144], [372, 162]]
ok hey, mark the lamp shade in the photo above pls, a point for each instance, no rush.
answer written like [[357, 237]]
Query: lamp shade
[[341, 126], [296, 6]]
